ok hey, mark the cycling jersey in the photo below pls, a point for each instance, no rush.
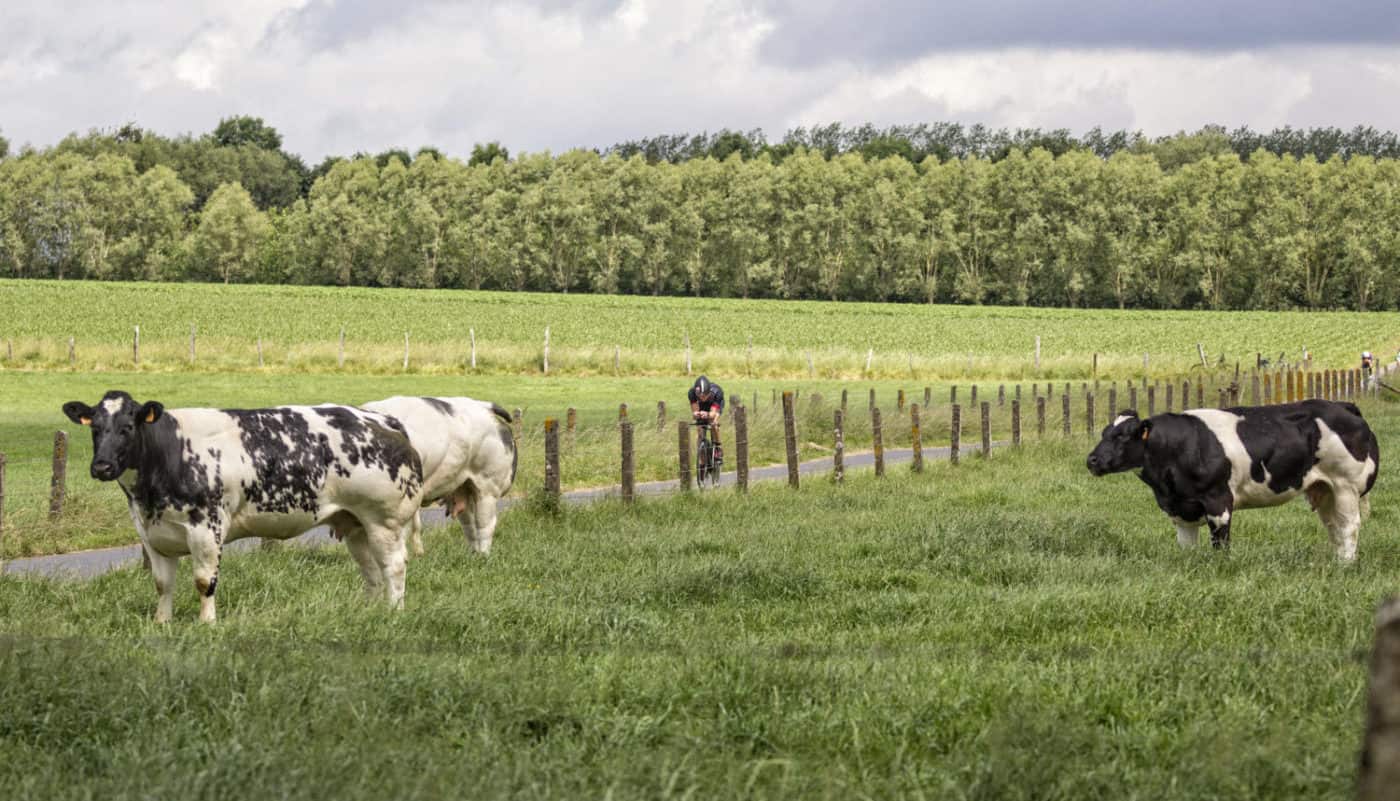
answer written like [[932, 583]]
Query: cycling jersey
[[716, 399]]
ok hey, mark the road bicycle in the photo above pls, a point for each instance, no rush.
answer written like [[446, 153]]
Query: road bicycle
[[708, 455]]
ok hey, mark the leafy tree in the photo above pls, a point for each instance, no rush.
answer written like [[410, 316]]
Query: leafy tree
[[483, 155], [251, 131], [230, 235]]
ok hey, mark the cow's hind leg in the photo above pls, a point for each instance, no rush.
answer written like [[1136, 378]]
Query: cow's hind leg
[[415, 534], [1340, 512], [205, 552], [385, 545], [461, 505], [163, 570], [485, 522], [348, 528]]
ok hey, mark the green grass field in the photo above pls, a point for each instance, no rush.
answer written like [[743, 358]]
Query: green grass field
[[300, 329], [1006, 629]]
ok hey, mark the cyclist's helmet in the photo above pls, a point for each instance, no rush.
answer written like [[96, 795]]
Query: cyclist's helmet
[[1365, 354], [703, 387]]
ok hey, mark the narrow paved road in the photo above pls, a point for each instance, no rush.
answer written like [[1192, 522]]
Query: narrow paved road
[[85, 564]]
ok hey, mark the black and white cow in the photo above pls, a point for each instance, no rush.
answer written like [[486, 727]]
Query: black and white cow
[[469, 459], [196, 479], [1204, 464]]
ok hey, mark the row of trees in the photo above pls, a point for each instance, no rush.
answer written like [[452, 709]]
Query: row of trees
[[1030, 228]]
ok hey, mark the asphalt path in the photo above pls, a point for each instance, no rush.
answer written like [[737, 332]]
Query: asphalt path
[[86, 564]]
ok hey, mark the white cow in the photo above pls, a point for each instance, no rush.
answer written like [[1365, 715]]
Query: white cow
[[468, 454], [196, 479]]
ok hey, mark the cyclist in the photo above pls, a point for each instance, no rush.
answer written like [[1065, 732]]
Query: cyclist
[[707, 402], [1368, 363]]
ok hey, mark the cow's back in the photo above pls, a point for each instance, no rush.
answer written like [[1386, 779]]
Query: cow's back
[[458, 439]]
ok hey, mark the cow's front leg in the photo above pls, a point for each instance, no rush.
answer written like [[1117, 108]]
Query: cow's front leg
[[206, 550], [163, 570], [1218, 512], [1187, 534]]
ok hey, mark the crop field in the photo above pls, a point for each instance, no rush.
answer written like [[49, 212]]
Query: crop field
[[299, 328], [1007, 629]]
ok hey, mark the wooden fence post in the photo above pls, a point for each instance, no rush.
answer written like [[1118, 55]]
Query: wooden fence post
[[629, 465], [1037, 353], [687, 352], [955, 434], [878, 437], [1152, 400], [1089, 414], [838, 451], [1201, 394], [1132, 397], [191, 344], [72, 351], [661, 415], [1016, 423], [871, 404], [790, 438], [405, 350], [570, 423], [1254, 388], [986, 429], [973, 396], [136, 347], [1185, 395], [916, 438], [1064, 401], [899, 402], [1170, 387], [1268, 389], [683, 452], [471, 332], [741, 447], [1040, 416], [1224, 399], [1379, 775], [843, 401], [551, 460], [58, 484], [517, 419], [1001, 394], [953, 394], [1112, 402], [928, 396]]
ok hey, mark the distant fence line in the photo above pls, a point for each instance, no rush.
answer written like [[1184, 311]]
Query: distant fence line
[[905, 359]]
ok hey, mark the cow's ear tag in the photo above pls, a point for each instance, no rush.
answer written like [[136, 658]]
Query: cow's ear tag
[[87, 421], [1145, 432], [151, 416]]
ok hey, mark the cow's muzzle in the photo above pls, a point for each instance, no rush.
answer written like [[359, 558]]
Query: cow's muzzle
[[104, 471]]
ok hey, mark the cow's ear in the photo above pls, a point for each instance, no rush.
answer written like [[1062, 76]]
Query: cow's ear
[[150, 411], [78, 412]]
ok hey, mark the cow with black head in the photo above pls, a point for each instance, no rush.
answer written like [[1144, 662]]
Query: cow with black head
[[1204, 464], [196, 479]]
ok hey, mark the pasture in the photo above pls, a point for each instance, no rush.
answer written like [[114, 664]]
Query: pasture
[[300, 329], [1007, 629]]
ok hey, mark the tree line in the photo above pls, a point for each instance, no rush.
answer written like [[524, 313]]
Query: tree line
[[1180, 222]]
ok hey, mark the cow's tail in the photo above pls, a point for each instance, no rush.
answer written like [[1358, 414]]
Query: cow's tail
[[507, 432]]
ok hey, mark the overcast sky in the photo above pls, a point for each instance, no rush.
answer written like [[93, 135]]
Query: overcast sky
[[339, 76]]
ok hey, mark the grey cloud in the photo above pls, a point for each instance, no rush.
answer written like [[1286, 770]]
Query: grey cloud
[[330, 24], [811, 32]]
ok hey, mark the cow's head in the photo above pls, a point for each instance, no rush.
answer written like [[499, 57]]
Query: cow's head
[[116, 423], [1123, 447]]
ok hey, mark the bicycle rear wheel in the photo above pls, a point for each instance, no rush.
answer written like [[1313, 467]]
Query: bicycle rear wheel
[[702, 461]]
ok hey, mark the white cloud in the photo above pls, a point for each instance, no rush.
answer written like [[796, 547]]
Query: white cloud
[[537, 76]]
